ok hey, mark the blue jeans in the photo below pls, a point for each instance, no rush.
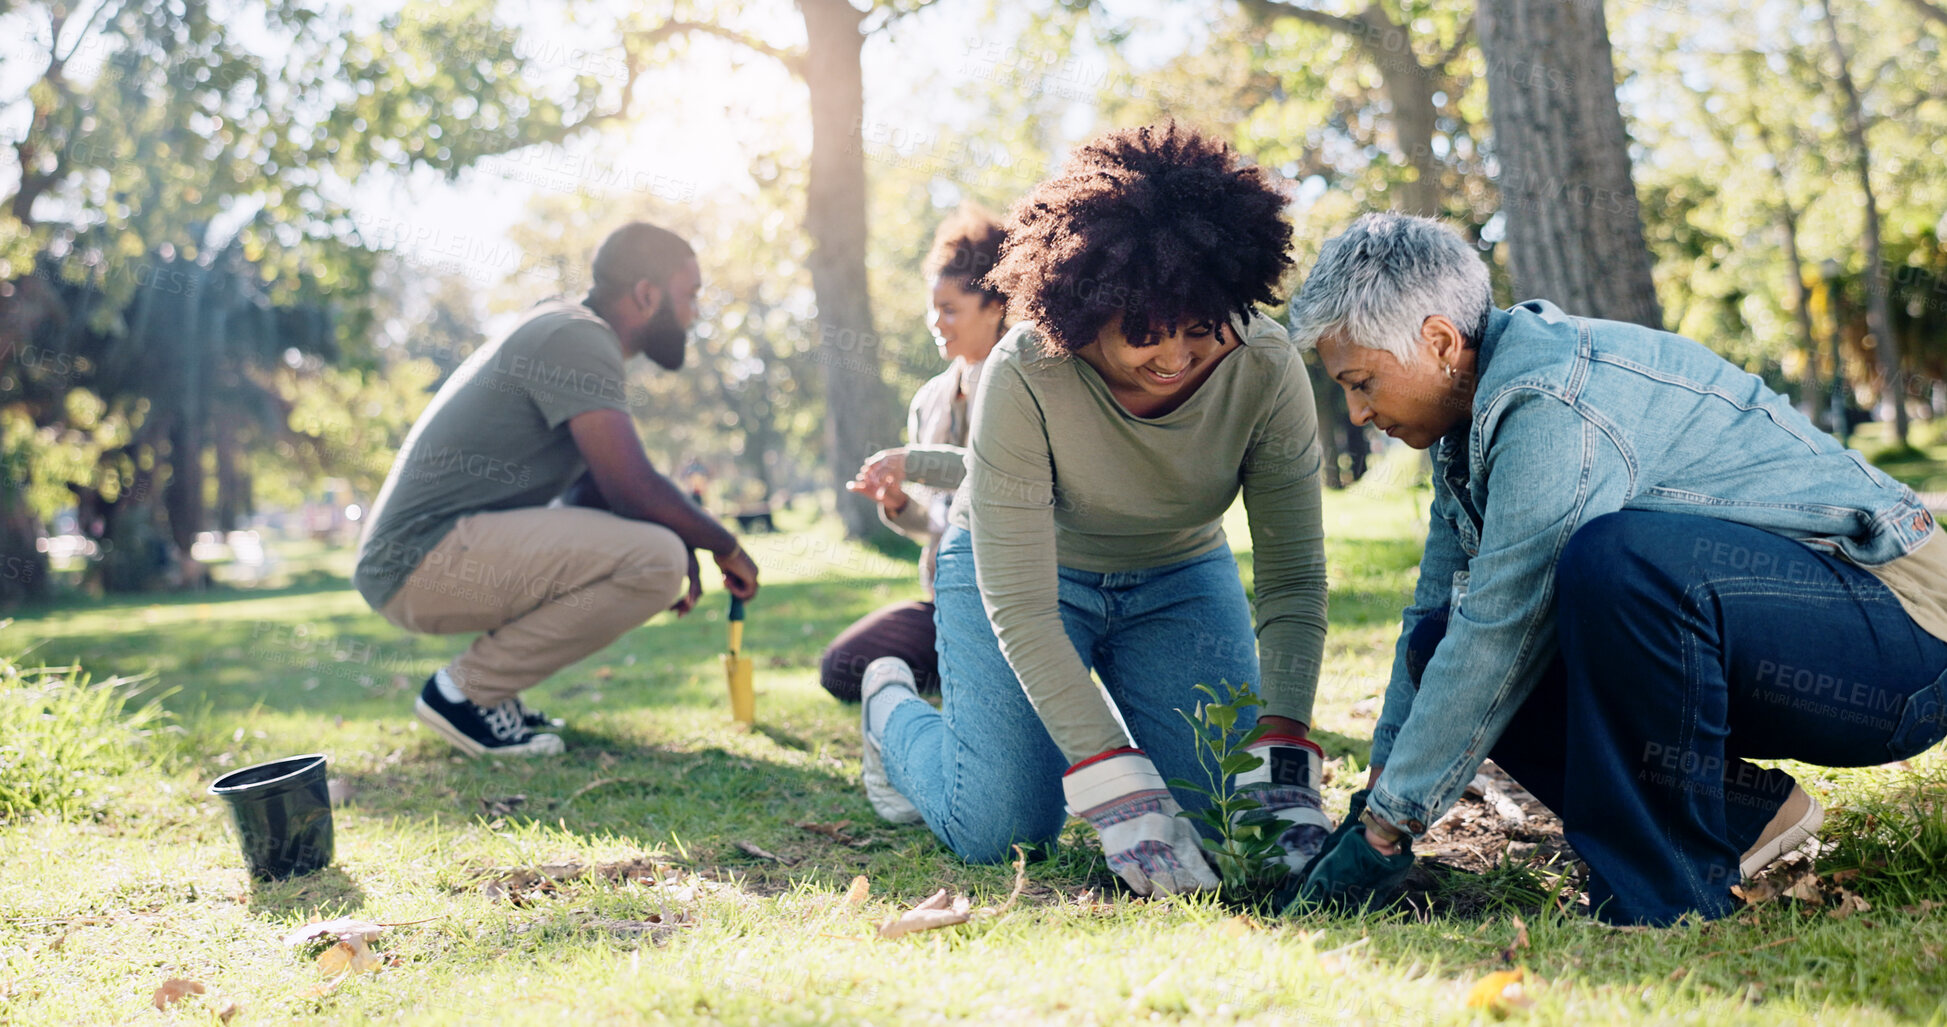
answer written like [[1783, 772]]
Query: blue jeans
[[1689, 646], [981, 768]]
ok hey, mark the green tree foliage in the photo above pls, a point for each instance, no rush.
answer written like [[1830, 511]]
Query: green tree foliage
[[179, 226], [1750, 187]]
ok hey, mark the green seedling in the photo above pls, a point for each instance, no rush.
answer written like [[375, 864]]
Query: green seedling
[[1245, 849]]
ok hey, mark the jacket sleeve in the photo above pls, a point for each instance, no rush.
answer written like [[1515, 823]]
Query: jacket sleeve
[[940, 466], [1441, 559], [916, 521], [1549, 470]]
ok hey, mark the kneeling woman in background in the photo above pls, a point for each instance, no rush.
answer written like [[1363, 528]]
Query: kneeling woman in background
[[967, 319]]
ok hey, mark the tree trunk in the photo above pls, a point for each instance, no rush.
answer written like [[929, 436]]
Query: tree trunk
[[1574, 231], [856, 412], [1879, 307], [23, 567], [183, 498], [1409, 87], [232, 486], [1801, 303]]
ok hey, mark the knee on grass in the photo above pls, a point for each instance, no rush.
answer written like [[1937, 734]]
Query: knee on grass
[[1000, 829], [841, 671]]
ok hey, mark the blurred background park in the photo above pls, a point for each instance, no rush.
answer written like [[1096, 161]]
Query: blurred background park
[[242, 242]]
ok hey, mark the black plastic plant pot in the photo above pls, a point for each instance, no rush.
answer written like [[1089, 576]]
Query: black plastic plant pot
[[282, 811]]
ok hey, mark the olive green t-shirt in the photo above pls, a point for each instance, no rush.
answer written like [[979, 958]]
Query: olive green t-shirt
[[1059, 474], [495, 437]]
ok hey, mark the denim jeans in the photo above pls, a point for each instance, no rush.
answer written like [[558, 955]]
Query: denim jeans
[[981, 768], [1689, 646]]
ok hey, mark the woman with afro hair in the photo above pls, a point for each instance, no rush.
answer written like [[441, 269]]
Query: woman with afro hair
[[1116, 423], [967, 320]]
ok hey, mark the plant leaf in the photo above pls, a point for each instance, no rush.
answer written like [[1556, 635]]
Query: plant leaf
[[174, 990]]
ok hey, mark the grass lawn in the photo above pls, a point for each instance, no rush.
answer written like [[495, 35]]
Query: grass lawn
[[96, 911], [1923, 466]]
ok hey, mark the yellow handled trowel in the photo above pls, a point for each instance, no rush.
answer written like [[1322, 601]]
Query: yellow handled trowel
[[738, 669]]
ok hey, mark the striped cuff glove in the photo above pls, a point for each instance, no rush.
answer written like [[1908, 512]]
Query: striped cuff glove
[[1286, 786], [1120, 794]]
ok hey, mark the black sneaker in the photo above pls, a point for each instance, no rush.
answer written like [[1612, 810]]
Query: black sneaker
[[535, 719], [479, 730]]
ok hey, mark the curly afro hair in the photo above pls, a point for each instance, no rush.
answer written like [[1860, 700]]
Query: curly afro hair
[[966, 247], [1160, 226]]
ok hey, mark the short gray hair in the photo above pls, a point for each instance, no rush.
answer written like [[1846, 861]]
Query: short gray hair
[[1376, 283]]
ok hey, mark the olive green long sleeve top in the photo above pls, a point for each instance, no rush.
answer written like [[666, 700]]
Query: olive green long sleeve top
[[1059, 474]]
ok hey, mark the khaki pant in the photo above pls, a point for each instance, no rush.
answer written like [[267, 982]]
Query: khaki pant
[[548, 585]]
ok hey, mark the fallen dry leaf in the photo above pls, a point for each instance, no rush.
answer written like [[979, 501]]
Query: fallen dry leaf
[[1520, 941], [1801, 884], [174, 990], [503, 806], [350, 955], [936, 912], [752, 850], [1848, 903], [1923, 907], [1807, 888], [1500, 992], [860, 889], [342, 928], [1238, 926], [835, 831]]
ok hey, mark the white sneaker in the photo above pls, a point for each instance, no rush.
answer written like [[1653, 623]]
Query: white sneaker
[[884, 672], [1797, 821]]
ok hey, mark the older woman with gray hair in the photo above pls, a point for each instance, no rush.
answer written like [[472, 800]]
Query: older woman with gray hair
[[1644, 569]]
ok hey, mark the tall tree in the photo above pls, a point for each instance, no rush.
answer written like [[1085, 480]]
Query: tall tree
[[1413, 79], [1879, 312], [859, 413], [1574, 230]]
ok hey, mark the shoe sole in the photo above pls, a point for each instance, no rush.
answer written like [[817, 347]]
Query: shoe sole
[[459, 739], [1790, 838]]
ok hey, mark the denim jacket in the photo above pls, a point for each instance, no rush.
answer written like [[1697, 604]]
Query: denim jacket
[[1573, 418]]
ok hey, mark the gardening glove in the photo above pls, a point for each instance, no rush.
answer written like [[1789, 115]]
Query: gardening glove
[[1352, 874], [1285, 785], [1346, 826], [1120, 794]]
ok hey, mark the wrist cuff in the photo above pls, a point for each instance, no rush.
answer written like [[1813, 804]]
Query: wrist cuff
[[1289, 740], [1100, 756]]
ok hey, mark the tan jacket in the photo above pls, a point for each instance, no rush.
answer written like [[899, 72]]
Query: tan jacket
[[936, 440]]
